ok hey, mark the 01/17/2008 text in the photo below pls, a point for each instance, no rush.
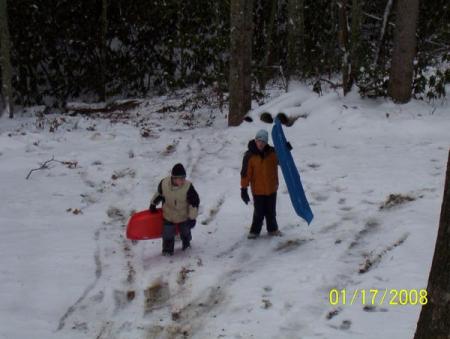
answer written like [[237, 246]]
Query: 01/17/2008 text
[[380, 297]]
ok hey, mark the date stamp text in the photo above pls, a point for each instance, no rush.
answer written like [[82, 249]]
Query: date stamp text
[[375, 296]]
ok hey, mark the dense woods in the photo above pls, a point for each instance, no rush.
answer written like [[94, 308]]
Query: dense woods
[[95, 50]]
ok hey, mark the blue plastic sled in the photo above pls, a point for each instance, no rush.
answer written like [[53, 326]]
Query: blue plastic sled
[[290, 173]]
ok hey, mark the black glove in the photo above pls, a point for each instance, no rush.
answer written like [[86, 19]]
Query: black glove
[[152, 208], [244, 195], [191, 223], [289, 146]]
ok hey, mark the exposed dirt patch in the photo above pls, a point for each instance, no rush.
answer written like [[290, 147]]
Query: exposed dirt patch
[[266, 304], [171, 148], [291, 244], [395, 200], [127, 172], [373, 308], [156, 295], [313, 165], [374, 259], [183, 275], [333, 313], [131, 273], [189, 319]]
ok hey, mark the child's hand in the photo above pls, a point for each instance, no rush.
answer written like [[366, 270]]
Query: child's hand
[[244, 195]]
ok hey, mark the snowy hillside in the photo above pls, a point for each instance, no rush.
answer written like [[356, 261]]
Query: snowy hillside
[[373, 172]]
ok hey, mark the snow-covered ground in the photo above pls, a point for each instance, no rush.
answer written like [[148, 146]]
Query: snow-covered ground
[[67, 270]]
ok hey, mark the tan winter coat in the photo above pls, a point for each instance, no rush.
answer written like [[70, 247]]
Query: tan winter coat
[[176, 205]]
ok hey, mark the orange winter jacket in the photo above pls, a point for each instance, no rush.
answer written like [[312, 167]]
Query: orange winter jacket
[[260, 170]]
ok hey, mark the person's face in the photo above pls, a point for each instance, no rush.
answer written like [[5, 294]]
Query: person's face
[[260, 144], [178, 181]]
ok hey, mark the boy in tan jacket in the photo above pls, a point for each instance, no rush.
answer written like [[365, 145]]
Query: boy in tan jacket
[[180, 203]]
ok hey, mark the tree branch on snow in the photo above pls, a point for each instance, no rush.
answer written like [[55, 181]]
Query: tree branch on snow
[[332, 84], [317, 86], [121, 105], [44, 165]]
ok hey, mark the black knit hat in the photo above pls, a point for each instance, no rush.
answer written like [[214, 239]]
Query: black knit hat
[[178, 171]]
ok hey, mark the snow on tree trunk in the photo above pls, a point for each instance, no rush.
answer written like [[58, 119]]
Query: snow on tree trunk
[[402, 65], [240, 84], [434, 320], [5, 61]]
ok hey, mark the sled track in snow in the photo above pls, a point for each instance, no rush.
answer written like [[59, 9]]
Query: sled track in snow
[[214, 211], [89, 288]]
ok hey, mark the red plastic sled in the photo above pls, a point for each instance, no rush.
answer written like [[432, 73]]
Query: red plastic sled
[[145, 225]]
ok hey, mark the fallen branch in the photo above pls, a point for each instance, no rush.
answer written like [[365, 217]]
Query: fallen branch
[[82, 108], [332, 84], [44, 165]]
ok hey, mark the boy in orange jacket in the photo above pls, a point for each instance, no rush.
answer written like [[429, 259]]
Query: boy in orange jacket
[[260, 171]]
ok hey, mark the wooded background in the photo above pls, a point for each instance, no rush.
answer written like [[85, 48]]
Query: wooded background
[[56, 51]]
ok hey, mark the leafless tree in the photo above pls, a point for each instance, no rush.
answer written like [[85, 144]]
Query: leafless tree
[[240, 82], [5, 61], [434, 320], [402, 65]]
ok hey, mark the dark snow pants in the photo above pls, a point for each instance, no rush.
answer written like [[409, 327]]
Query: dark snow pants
[[168, 236], [265, 207]]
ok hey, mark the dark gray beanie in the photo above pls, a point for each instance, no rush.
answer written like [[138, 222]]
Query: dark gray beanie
[[178, 171]]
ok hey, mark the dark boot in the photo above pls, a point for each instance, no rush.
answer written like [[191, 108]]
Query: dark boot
[[186, 245], [168, 246], [252, 236]]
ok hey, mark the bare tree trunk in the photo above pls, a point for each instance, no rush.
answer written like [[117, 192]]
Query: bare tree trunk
[[434, 320], [180, 44], [343, 44], [240, 82], [102, 48], [268, 48], [296, 37], [5, 60], [402, 65], [355, 39]]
